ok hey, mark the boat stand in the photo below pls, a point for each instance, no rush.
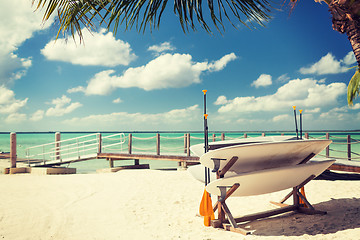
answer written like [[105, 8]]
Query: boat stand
[[300, 205]]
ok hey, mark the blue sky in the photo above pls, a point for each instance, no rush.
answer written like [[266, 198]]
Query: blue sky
[[154, 80]]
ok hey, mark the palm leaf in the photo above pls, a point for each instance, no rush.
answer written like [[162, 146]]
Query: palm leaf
[[75, 14], [353, 87]]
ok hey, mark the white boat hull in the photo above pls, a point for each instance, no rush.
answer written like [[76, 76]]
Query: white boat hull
[[270, 180], [267, 155]]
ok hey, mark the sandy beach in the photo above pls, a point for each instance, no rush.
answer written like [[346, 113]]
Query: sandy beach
[[152, 204]]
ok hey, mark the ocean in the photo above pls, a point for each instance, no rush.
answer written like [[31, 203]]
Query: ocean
[[170, 142]]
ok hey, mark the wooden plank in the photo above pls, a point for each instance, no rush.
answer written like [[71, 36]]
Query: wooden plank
[[18, 170], [52, 171], [266, 214], [236, 230], [280, 204], [309, 211], [228, 194], [229, 215], [344, 168], [311, 155], [116, 169], [125, 156], [286, 197], [228, 166], [4, 155]]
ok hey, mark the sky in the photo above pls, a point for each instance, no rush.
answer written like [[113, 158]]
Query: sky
[[153, 81]]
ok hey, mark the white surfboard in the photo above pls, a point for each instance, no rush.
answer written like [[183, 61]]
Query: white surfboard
[[199, 150], [270, 180], [259, 156], [198, 172]]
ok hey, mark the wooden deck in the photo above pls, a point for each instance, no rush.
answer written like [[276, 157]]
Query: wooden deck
[[126, 156], [346, 166], [4, 155]]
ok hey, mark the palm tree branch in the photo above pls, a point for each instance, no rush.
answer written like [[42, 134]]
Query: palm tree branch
[[353, 87], [143, 13]]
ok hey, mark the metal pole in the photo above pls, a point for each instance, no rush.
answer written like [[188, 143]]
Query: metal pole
[[296, 127]]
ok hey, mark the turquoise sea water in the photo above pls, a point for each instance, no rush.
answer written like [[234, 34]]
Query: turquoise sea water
[[171, 143]]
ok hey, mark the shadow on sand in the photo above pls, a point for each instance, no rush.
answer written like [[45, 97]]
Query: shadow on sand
[[341, 214]]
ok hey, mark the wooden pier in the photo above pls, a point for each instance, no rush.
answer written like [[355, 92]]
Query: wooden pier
[[184, 161], [101, 149]]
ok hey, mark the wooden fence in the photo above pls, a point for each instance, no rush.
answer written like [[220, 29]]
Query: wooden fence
[[349, 154]]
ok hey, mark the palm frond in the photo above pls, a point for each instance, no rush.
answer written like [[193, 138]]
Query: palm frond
[[353, 87], [72, 15], [75, 14]]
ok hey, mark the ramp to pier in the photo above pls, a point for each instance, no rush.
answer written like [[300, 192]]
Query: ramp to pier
[[73, 150]]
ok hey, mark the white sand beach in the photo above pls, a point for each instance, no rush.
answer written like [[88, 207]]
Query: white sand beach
[[151, 204]]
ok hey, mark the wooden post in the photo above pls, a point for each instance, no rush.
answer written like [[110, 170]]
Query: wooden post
[[57, 145], [185, 143], [295, 197], [157, 144], [188, 144], [100, 143], [130, 143], [245, 135], [214, 137], [349, 147], [306, 136], [111, 162], [13, 150], [327, 148], [222, 136]]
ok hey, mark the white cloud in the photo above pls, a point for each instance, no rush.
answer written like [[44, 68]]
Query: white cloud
[[99, 49], [165, 46], [315, 110], [118, 100], [349, 59], [63, 106], [334, 116], [165, 71], [329, 65], [37, 116], [299, 92], [76, 89], [8, 103], [281, 117], [18, 23], [263, 81], [355, 106], [140, 121], [15, 118], [221, 100], [283, 78], [222, 62]]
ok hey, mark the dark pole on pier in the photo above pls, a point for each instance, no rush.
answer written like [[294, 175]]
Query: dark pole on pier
[[205, 208], [300, 123], [296, 127]]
